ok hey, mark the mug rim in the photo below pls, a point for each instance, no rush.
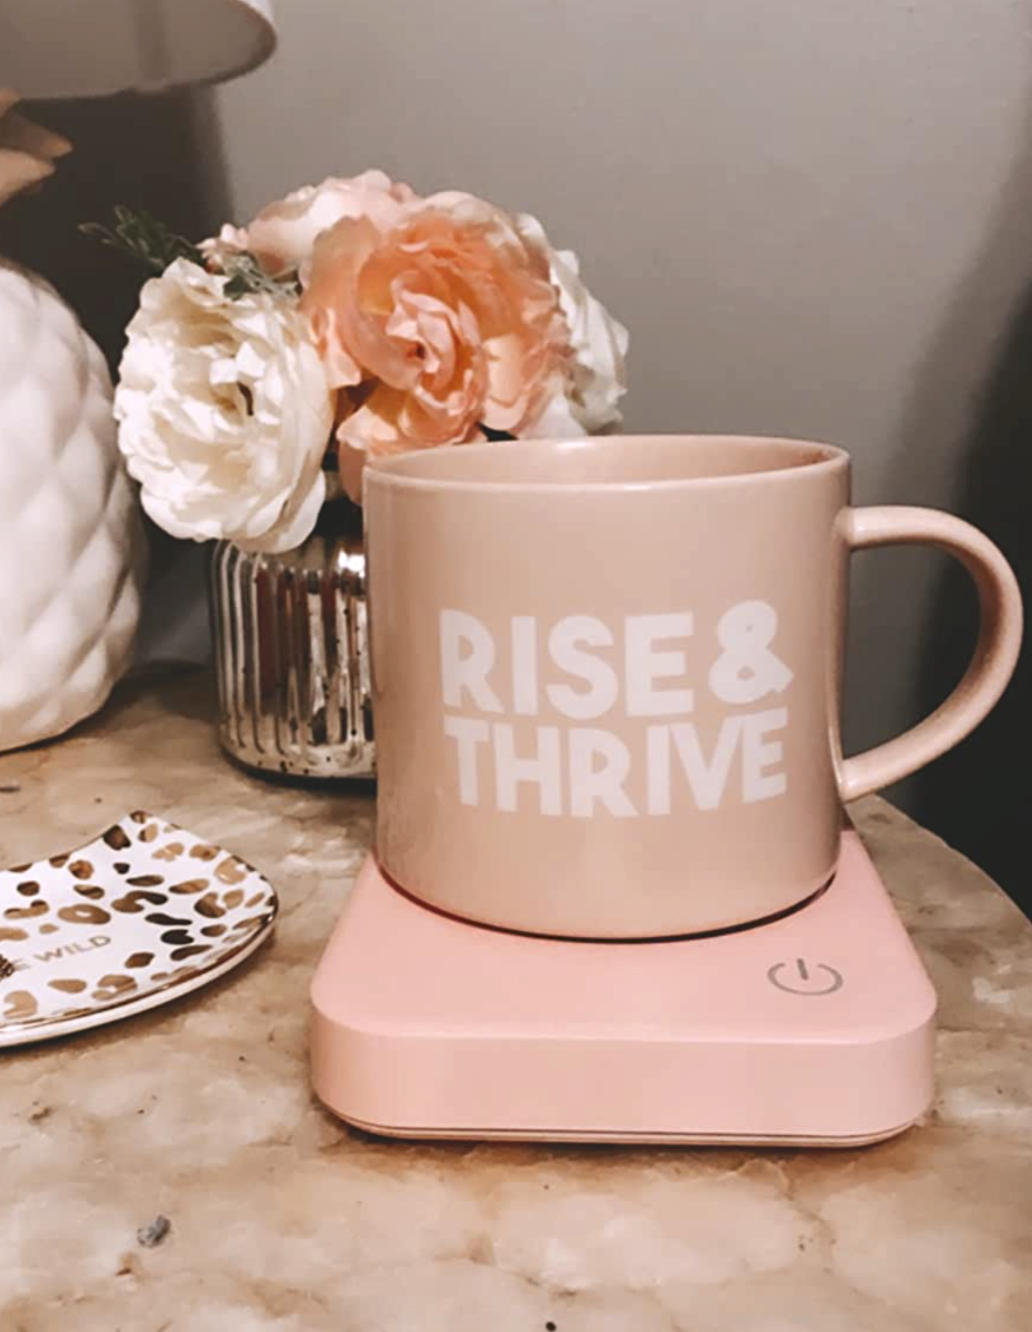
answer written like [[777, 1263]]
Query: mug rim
[[394, 470]]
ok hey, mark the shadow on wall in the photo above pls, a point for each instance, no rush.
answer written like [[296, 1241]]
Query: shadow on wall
[[976, 797], [163, 154]]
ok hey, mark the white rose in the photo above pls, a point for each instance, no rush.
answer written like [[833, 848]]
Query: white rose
[[587, 403], [225, 412]]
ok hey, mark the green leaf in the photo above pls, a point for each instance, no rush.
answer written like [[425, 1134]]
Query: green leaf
[[144, 238], [236, 287], [150, 242], [245, 274]]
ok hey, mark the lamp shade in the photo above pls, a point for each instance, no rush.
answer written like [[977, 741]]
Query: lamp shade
[[92, 48]]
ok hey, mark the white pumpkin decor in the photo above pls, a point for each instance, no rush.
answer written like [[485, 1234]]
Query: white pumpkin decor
[[72, 550]]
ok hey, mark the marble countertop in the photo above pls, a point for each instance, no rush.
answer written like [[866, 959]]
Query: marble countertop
[[284, 1220]]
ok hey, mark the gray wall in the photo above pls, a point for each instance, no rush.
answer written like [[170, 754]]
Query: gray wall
[[815, 218]]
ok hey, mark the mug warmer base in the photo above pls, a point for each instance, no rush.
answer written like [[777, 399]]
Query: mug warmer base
[[816, 1029]]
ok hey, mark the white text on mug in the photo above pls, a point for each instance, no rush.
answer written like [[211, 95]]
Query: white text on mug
[[582, 770]]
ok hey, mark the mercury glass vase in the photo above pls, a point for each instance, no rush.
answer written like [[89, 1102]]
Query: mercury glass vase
[[292, 652]]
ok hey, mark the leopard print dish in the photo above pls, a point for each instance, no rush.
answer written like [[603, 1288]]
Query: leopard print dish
[[142, 915]]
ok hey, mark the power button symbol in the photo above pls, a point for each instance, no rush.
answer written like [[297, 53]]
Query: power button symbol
[[800, 977]]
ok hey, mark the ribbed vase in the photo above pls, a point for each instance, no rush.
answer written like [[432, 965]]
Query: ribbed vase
[[292, 653]]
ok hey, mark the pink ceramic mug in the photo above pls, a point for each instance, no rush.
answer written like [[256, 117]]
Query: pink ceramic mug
[[607, 676]]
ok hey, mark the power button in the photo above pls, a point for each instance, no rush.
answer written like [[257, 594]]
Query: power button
[[802, 977]]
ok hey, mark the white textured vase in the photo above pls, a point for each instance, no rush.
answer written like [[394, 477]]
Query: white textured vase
[[72, 550]]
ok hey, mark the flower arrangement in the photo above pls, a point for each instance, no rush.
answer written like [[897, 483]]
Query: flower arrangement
[[351, 319]]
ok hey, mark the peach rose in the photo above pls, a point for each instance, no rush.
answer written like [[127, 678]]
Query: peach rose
[[435, 323], [283, 235]]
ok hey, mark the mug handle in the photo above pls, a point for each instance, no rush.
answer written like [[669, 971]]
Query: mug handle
[[991, 666]]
